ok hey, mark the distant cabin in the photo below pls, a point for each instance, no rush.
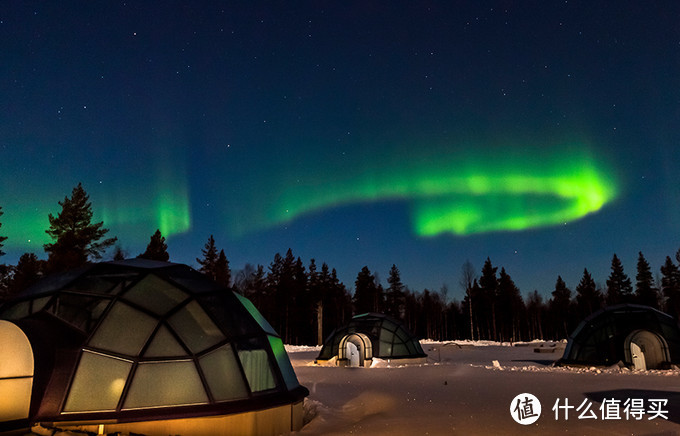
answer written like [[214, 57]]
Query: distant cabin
[[368, 336], [638, 336]]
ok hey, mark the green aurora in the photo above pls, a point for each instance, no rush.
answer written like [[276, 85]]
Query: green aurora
[[158, 199], [466, 193]]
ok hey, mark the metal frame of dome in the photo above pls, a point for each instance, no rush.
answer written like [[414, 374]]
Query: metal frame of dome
[[603, 338], [390, 339], [140, 340]]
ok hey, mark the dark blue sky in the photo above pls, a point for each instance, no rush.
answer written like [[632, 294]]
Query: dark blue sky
[[213, 118]]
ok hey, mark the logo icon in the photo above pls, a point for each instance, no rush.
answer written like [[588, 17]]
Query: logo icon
[[525, 409]]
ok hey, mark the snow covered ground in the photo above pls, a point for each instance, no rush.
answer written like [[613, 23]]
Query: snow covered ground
[[461, 390]]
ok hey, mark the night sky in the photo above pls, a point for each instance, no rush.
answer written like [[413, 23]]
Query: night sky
[[542, 134]]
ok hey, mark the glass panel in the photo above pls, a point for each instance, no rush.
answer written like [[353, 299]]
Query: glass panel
[[386, 336], [256, 314], [255, 363], [389, 325], [223, 374], [173, 383], [195, 327], [39, 303], [400, 350], [93, 284], [98, 383], [284, 362], [16, 311], [124, 330], [164, 344], [385, 349], [80, 311], [401, 333], [156, 295], [235, 322]]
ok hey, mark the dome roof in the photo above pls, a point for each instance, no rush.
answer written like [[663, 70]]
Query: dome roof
[[390, 338], [600, 339], [137, 340]]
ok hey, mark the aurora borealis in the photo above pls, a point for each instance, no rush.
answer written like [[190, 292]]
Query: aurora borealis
[[468, 194], [541, 135]]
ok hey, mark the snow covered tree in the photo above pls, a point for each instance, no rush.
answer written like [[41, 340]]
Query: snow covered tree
[[645, 291], [619, 288], [76, 238], [157, 248]]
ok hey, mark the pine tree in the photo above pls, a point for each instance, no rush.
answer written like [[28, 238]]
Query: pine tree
[[467, 278], [510, 308], [209, 259], [28, 270], [535, 310], [2, 238], [670, 286], [645, 292], [488, 284], [222, 271], [394, 296], [76, 238], [366, 293], [119, 253], [619, 288], [157, 248], [588, 297], [560, 306]]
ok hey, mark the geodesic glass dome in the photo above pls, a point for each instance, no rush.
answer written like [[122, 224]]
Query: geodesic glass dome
[[143, 340], [389, 338], [605, 337]]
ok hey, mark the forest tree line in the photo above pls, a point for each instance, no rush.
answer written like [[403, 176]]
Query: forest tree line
[[304, 303]]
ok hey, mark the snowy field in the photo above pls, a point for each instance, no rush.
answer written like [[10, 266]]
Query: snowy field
[[461, 390]]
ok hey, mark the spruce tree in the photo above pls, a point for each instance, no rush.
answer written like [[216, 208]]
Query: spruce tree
[[76, 238], [119, 253], [157, 248], [670, 286], [394, 296], [619, 288], [588, 297], [209, 259], [560, 306], [645, 292], [222, 271], [366, 294], [510, 308], [468, 276], [2, 238], [488, 284], [28, 270]]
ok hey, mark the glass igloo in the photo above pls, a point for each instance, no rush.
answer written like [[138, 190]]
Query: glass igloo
[[371, 335], [135, 343], [638, 336]]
